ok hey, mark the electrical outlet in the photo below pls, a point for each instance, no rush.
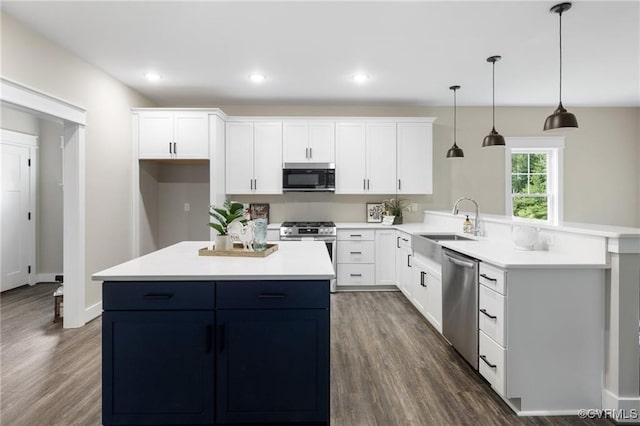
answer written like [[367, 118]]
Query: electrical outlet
[[413, 207], [187, 207]]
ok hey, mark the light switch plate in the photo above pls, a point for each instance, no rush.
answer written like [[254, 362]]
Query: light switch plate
[[187, 207]]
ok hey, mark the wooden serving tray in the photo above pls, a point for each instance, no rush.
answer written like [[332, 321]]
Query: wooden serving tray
[[238, 251]]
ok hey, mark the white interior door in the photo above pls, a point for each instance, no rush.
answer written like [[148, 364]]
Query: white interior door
[[18, 240]]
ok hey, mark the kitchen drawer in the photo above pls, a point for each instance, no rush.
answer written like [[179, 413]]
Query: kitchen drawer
[[356, 274], [158, 296], [356, 235], [491, 304], [493, 278], [272, 294], [403, 240], [492, 363], [356, 252]]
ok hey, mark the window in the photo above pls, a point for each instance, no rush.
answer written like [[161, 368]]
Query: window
[[534, 178]]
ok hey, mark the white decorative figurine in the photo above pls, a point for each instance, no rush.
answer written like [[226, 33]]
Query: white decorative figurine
[[241, 233]]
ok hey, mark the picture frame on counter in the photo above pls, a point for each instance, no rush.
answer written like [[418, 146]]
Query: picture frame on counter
[[259, 211], [374, 212]]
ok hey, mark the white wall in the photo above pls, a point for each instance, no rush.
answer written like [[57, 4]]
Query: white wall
[[32, 60], [49, 219], [18, 121]]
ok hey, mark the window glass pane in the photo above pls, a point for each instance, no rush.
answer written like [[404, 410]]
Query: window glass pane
[[538, 163], [538, 184], [519, 184], [530, 207], [519, 163]]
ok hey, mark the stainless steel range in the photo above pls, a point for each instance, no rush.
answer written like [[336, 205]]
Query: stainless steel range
[[312, 231]]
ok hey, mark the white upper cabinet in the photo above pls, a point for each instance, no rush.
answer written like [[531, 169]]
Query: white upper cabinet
[[415, 158], [351, 167], [365, 157], [308, 141], [173, 135], [254, 157]]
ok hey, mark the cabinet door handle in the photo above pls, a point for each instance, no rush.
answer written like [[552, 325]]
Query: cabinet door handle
[[422, 274], [484, 358], [175, 148], [158, 296], [170, 150], [255, 184], [397, 242], [355, 252], [356, 275], [251, 183], [484, 311], [310, 152], [368, 184], [486, 277], [399, 183], [306, 153], [208, 338], [406, 240], [272, 296], [364, 184], [409, 260], [221, 338]]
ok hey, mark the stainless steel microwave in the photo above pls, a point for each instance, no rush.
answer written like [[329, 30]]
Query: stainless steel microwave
[[309, 177]]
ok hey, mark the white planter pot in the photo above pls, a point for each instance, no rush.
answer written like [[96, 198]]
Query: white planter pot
[[222, 242]]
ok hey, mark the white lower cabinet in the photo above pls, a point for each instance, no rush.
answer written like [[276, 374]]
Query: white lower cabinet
[[356, 256], [356, 274], [386, 257], [404, 253], [426, 291], [541, 337]]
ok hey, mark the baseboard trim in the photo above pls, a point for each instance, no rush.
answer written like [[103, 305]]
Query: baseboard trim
[[47, 277], [92, 312], [627, 409]]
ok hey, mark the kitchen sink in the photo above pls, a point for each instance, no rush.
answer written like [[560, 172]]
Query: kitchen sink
[[446, 237]]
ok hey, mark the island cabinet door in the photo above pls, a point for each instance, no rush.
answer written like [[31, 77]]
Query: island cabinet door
[[158, 367], [272, 366]]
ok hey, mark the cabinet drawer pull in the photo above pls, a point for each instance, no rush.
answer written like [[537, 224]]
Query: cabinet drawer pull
[[158, 296], [406, 240], [484, 358], [356, 275], [484, 311], [355, 235], [272, 296], [355, 252], [486, 277]]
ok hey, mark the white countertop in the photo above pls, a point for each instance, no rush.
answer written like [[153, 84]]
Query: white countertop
[[294, 260]]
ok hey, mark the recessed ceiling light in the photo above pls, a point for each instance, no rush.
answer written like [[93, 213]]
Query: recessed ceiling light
[[151, 76], [257, 77], [360, 78]]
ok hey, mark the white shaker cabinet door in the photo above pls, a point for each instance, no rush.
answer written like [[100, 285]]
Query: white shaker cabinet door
[[415, 158], [381, 158], [386, 257], [191, 135], [322, 142], [267, 145], [295, 145], [350, 158], [433, 307], [156, 135], [239, 161]]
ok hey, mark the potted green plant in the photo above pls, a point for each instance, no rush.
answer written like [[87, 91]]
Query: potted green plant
[[223, 216], [395, 207]]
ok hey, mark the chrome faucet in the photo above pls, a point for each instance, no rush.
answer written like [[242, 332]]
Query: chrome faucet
[[476, 227]]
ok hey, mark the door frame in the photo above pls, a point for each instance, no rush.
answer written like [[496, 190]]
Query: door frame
[[74, 120], [30, 142]]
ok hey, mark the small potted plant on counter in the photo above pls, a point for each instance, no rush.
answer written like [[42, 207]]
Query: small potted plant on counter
[[395, 207], [224, 216]]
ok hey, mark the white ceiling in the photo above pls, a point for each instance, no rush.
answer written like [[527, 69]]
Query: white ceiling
[[413, 51]]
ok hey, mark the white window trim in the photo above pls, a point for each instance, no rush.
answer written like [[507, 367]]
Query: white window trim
[[554, 145]]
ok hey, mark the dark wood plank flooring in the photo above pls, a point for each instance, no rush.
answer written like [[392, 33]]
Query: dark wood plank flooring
[[388, 368]]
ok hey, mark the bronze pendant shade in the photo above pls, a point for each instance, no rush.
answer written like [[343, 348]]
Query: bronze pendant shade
[[561, 118], [493, 138], [454, 151]]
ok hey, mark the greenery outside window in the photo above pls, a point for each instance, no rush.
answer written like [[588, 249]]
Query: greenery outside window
[[533, 180]]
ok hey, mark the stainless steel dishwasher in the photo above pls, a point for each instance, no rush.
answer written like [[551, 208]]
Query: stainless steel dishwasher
[[460, 303]]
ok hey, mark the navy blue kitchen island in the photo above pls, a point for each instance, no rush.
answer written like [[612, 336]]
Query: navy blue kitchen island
[[218, 350]]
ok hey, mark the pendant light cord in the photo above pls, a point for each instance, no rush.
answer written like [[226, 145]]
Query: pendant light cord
[[560, 38], [493, 102], [454, 117]]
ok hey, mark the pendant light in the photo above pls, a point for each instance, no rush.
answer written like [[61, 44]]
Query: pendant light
[[454, 151], [561, 118], [494, 138]]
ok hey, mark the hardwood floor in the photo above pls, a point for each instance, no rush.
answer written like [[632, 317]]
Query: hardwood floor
[[388, 368]]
